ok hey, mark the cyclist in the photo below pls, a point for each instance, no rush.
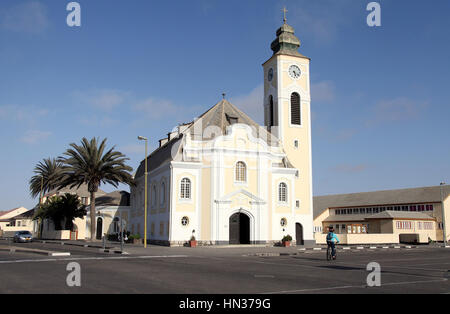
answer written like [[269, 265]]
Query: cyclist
[[332, 239]]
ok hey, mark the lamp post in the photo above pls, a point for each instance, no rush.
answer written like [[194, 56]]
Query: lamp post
[[141, 138], [443, 215]]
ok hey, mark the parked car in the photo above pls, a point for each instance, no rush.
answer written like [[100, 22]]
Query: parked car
[[23, 236]]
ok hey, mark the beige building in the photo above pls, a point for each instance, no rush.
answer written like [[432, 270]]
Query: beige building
[[227, 180], [17, 219], [112, 210], [392, 216]]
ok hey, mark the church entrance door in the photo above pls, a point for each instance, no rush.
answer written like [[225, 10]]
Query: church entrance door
[[299, 234], [239, 229], [99, 228]]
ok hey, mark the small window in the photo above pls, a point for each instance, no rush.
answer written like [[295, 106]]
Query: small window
[[297, 203], [283, 222], [185, 189], [185, 221], [282, 192], [241, 172], [296, 143]]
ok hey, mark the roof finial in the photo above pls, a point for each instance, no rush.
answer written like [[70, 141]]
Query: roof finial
[[223, 95], [285, 11]]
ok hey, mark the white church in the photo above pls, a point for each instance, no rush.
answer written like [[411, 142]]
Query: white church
[[227, 180]]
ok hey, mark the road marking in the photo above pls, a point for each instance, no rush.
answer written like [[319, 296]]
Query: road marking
[[357, 286], [89, 258], [264, 276]]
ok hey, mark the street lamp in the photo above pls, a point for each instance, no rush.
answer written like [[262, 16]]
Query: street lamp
[[141, 138], [443, 215]]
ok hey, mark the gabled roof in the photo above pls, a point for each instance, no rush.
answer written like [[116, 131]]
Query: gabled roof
[[431, 194], [224, 114], [81, 192], [26, 215], [221, 115], [116, 198]]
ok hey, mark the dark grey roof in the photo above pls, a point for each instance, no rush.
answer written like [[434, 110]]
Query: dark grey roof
[[430, 194], [159, 156], [25, 215], [116, 198]]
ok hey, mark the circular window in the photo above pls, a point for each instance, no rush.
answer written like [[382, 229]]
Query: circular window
[[185, 221], [283, 222]]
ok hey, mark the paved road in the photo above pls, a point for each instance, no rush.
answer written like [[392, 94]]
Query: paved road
[[185, 270]]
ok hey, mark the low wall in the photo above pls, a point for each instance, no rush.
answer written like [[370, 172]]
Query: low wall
[[8, 232], [362, 238], [56, 235]]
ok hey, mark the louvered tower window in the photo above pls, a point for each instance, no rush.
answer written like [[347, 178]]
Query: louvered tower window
[[295, 109]]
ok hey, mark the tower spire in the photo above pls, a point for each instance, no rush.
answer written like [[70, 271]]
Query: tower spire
[[284, 12]]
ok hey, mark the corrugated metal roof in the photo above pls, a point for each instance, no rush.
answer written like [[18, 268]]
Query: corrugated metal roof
[[430, 194]]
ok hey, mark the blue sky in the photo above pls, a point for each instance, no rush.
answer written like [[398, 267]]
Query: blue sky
[[379, 95]]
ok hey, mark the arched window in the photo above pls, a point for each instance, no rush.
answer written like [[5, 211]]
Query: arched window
[[241, 172], [185, 189], [154, 196], [296, 118], [163, 193], [282, 192], [271, 122]]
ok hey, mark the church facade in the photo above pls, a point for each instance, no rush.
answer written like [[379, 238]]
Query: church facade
[[227, 180]]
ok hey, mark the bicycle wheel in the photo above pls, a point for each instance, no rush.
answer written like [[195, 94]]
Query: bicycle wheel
[[329, 257]]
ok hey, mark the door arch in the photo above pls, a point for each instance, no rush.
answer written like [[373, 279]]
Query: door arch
[[239, 229], [99, 228], [299, 234]]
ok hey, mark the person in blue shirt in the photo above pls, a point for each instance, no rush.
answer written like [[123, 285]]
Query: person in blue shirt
[[332, 239]]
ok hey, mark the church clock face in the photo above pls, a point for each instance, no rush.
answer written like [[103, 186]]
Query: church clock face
[[270, 75], [294, 71]]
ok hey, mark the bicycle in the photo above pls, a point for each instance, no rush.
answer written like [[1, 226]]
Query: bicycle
[[329, 252]]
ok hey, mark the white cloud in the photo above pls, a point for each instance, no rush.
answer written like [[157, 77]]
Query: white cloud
[[323, 91], [251, 103], [35, 136], [320, 20], [398, 109], [104, 99], [346, 168], [28, 17], [26, 114]]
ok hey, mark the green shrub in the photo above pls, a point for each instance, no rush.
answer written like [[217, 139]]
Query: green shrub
[[286, 238]]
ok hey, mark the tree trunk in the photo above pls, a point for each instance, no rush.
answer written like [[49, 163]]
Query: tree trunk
[[92, 214]]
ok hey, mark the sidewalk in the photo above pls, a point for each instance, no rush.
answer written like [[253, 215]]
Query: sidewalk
[[13, 249]]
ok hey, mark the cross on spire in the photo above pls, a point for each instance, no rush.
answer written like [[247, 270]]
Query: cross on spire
[[284, 12]]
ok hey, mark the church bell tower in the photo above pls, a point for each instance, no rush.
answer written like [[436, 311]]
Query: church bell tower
[[287, 111]]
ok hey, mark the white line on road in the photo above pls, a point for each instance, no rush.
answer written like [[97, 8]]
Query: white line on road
[[89, 258], [357, 286]]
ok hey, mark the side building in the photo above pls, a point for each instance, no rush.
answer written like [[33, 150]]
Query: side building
[[392, 216]]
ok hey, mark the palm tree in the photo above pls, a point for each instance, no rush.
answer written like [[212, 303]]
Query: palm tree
[[89, 164], [61, 208], [47, 176]]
